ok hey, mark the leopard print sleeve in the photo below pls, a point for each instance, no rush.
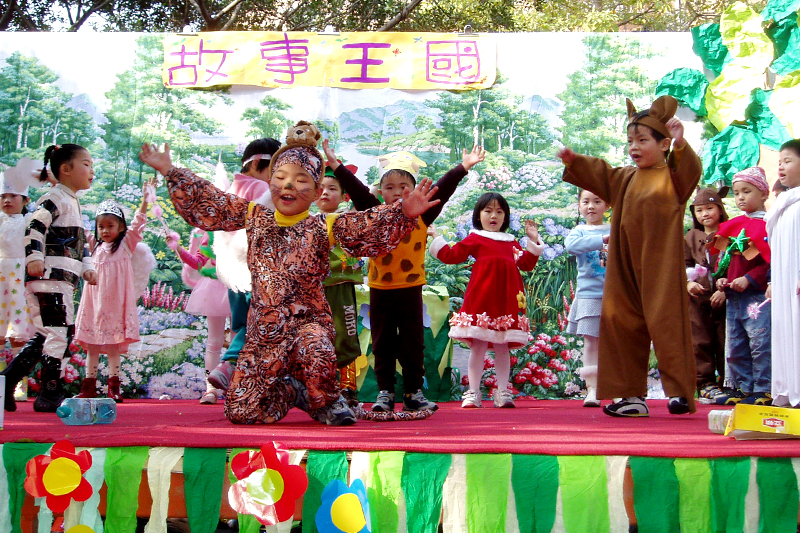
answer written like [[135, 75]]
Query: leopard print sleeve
[[204, 206], [373, 232]]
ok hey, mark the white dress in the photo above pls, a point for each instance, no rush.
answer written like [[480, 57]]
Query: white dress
[[15, 321], [783, 229]]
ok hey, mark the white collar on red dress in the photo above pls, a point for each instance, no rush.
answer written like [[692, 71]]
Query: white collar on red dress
[[494, 235]]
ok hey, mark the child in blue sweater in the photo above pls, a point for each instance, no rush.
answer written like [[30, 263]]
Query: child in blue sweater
[[587, 242]]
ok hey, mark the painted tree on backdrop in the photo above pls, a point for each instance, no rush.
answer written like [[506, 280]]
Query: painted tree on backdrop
[[594, 99], [268, 119], [35, 112], [492, 118], [142, 110]]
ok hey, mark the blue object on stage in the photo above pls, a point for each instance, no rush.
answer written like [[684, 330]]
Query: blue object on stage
[[87, 411]]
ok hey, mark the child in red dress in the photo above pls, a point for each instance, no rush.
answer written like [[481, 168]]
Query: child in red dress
[[489, 317]]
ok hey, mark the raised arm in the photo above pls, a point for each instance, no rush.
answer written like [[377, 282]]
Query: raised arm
[[196, 200]]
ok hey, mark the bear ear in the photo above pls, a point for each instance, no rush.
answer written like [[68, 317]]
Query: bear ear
[[663, 108], [723, 191], [631, 108]]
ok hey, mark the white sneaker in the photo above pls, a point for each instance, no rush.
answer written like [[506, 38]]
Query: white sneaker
[[470, 399], [503, 398], [591, 398]]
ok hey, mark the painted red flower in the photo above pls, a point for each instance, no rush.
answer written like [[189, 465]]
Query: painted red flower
[[58, 477], [268, 485]]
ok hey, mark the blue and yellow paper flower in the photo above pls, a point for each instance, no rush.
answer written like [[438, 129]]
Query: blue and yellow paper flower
[[344, 509]]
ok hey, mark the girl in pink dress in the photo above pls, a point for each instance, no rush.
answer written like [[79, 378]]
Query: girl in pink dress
[[209, 298], [107, 320], [493, 312]]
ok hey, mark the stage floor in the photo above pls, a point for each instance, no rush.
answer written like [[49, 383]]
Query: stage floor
[[549, 427]]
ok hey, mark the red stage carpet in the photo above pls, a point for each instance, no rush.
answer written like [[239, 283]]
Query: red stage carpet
[[557, 427]]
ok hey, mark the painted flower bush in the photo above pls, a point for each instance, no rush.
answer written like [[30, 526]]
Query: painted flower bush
[[544, 369], [532, 177], [498, 179]]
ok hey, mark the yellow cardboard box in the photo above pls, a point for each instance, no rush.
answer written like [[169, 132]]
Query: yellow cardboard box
[[763, 422]]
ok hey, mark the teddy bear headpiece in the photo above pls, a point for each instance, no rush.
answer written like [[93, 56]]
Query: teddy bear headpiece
[[663, 109], [109, 207], [300, 149], [401, 161], [17, 179]]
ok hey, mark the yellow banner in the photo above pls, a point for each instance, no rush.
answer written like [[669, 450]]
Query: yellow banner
[[358, 60]]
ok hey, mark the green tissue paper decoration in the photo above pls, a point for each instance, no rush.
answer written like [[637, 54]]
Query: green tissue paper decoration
[[688, 86], [763, 122], [730, 151], [708, 45]]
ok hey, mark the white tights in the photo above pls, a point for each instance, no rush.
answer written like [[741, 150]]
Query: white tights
[[502, 364]]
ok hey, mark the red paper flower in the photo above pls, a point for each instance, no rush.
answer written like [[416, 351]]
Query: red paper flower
[[59, 477], [267, 485]]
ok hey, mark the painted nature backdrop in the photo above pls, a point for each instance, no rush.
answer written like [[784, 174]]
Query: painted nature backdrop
[[104, 91]]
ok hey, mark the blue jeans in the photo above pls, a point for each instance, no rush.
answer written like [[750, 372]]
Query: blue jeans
[[748, 342]]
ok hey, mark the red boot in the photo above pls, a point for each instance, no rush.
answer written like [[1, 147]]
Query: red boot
[[113, 389], [88, 388]]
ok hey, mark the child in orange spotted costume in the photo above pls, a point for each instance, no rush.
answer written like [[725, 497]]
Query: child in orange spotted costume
[[288, 357], [396, 279]]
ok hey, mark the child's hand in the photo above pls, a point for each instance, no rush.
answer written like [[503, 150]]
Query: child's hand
[[695, 289], [797, 291], [330, 155], [148, 194], [768, 292], [739, 284], [417, 202], [91, 277], [718, 299], [153, 157], [722, 283], [35, 269], [606, 237], [531, 230], [675, 128], [432, 231], [172, 242], [566, 155], [472, 158]]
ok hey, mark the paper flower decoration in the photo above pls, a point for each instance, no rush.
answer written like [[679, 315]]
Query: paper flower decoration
[[59, 477], [267, 485], [344, 509]]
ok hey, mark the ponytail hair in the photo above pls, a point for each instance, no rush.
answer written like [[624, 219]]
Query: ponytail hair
[[56, 155]]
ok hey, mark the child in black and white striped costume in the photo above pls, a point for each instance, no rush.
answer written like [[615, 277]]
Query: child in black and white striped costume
[[56, 258]]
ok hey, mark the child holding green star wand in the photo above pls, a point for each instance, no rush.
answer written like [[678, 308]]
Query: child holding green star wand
[[743, 239]]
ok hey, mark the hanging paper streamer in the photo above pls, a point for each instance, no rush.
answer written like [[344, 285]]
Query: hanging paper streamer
[[344, 509], [267, 484], [59, 477]]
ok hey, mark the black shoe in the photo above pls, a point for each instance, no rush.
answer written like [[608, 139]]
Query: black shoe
[[678, 405], [52, 393], [730, 396], [20, 367], [757, 398], [631, 407]]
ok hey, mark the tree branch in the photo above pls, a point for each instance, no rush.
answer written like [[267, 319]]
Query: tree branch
[[400, 17], [233, 17], [96, 6]]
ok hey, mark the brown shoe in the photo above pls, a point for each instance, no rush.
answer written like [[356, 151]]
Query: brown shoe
[[88, 388], [113, 389]]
